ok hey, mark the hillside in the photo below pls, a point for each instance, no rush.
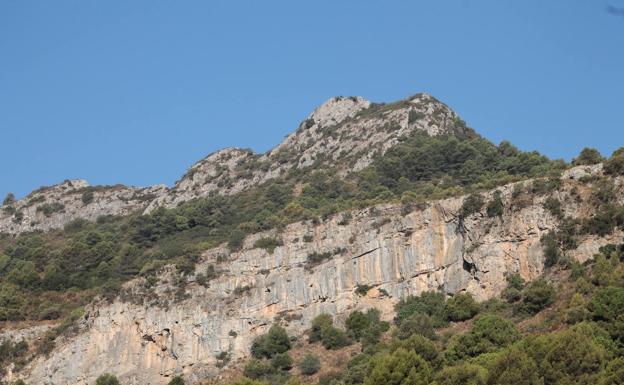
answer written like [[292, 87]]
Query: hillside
[[364, 206]]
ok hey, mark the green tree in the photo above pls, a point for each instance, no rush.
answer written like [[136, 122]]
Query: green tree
[[615, 164], [614, 373], [274, 342], [513, 366], [463, 374], [536, 296], [401, 367], [461, 307], [282, 361], [489, 333], [495, 207], [588, 156]]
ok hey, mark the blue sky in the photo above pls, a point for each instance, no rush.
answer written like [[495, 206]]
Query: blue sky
[[134, 92]]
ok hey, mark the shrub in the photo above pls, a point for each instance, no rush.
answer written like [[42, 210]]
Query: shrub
[[495, 207], [315, 258], [553, 205], [107, 379], [362, 289], [461, 307], [588, 156], [8, 200], [87, 197], [513, 366], [334, 338], [235, 242], [399, 367], [472, 204], [177, 380], [310, 365], [513, 291], [464, 374], [419, 324], [282, 361], [428, 303], [257, 369], [268, 345], [268, 244], [615, 164], [50, 208], [536, 296], [552, 254], [489, 333]]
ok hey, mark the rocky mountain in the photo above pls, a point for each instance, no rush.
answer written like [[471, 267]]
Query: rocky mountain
[[194, 311], [344, 132]]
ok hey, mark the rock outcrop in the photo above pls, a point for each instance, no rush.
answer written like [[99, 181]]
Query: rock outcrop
[[395, 250]]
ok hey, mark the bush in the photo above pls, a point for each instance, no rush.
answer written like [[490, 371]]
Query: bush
[[310, 365], [322, 329], [8, 200], [553, 205], [489, 333], [282, 361], [513, 366], [268, 345], [258, 369], [515, 285], [235, 242], [268, 244], [428, 303], [588, 156], [419, 324], [399, 367], [461, 307], [334, 338], [87, 197], [464, 374], [472, 204], [536, 296], [615, 164], [177, 380], [107, 379], [495, 207]]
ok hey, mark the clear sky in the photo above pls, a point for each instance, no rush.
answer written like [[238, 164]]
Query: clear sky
[[135, 92]]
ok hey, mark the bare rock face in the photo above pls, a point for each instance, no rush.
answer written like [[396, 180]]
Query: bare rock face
[[396, 250], [53, 207]]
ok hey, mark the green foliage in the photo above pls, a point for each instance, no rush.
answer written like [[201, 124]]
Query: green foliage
[[428, 303], [87, 197], [553, 205], [461, 307], [489, 333], [464, 374], [588, 156], [515, 285], [282, 361], [322, 329], [366, 327], [50, 208], [268, 345], [107, 379], [417, 323], [615, 164], [177, 380], [309, 365], [258, 369], [269, 244], [8, 200], [495, 207], [401, 367], [536, 296], [513, 366], [472, 204], [607, 307]]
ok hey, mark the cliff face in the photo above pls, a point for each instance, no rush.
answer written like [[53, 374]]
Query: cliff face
[[396, 250]]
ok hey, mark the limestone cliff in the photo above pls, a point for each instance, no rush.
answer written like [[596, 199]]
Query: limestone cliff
[[395, 249]]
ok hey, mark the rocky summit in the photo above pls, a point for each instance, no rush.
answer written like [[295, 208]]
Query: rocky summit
[[364, 206]]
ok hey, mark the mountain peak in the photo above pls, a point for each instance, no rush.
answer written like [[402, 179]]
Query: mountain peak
[[337, 109]]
